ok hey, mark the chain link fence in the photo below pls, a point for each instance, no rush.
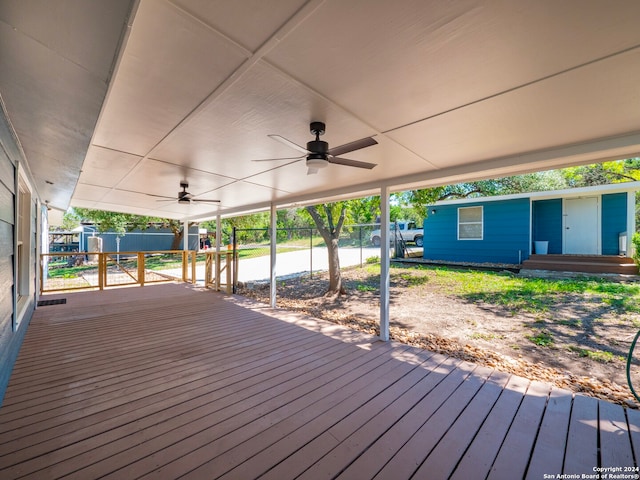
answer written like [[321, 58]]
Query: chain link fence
[[302, 251]]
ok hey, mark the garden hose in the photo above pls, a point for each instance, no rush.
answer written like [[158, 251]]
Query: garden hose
[[633, 346]]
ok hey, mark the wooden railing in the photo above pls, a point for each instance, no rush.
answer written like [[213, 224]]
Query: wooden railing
[[86, 270]]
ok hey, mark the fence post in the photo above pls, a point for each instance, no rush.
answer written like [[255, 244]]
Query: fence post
[[141, 268], [311, 253], [360, 239], [234, 260]]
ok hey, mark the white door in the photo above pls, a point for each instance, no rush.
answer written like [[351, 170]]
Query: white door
[[581, 226]]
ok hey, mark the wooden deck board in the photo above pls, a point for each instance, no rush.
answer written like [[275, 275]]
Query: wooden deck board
[[548, 456], [476, 462], [369, 463], [170, 381], [413, 453], [514, 455], [442, 461], [615, 448], [582, 439]]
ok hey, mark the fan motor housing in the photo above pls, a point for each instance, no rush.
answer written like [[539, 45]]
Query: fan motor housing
[[318, 147]]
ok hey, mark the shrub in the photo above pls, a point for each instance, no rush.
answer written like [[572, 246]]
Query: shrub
[[636, 243]]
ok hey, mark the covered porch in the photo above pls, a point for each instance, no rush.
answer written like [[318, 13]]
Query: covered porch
[[174, 381]]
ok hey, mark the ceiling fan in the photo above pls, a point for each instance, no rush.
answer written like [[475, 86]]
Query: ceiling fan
[[184, 197], [318, 153]]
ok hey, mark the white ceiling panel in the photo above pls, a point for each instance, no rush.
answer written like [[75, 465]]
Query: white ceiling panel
[[519, 121], [394, 63], [89, 195], [249, 26], [233, 129], [451, 91], [159, 178], [171, 64], [107, 167]]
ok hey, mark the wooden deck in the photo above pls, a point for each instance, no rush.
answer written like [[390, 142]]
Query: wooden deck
[[169, 381]]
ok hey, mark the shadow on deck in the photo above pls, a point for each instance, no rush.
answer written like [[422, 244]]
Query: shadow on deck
[[172, 381]]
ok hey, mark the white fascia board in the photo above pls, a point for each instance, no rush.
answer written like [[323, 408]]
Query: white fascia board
[[568, 192]]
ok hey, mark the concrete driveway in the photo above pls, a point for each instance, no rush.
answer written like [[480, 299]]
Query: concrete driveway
[[299, 262]]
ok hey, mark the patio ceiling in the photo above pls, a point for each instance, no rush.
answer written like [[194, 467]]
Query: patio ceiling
[[116, 101]]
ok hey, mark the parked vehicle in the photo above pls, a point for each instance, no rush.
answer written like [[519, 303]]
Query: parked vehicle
[[405, 231]]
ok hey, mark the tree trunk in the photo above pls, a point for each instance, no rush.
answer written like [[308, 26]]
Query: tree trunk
[[330, 234], [177, 240], [335, 277]]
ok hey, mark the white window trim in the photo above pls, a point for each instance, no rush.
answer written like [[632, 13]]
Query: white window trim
[[481, 223], [23, 289]]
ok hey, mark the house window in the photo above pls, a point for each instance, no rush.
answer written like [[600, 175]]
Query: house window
[[24, 240], [470, 223]]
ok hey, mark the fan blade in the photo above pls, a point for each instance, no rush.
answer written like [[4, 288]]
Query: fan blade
[[289, 143], [160, 196], [350, 163], [276, 159], [204, 200], [350, 147]]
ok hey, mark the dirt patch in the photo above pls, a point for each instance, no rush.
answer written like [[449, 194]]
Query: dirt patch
[[578, 342]]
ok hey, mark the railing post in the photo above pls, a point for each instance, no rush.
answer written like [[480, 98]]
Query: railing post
[[184, 265], [193, 267], [218, 266], [102, 271], [207, 268], [141, 268]]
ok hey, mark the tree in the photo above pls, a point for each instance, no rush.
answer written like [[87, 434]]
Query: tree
[[69, 221], [530, 182], [329, 219], [603, 173]]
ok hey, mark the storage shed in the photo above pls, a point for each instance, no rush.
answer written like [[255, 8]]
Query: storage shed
[[509, 229]]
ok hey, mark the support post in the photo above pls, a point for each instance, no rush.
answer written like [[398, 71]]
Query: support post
[[273, 229], [185, 235], [384, 264], [234, 265]]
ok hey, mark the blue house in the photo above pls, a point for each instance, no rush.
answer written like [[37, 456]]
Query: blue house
[[507, 229]]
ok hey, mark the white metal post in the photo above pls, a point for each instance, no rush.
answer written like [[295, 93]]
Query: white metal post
[[384, 264], [273, 225], [185, 235], [218, 232]]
